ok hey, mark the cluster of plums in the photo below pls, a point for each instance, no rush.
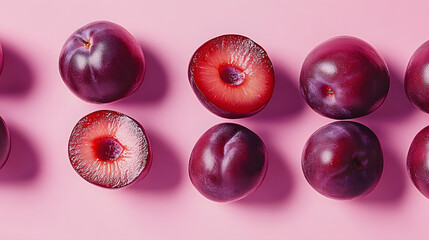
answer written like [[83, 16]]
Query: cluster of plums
[[233, 77]]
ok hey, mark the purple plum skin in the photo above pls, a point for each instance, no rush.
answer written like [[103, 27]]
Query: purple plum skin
[[417, 78], [228, 162], [418, 161], [343, 78], [343, 160], [110, 69], [1, 59], [5, 143]]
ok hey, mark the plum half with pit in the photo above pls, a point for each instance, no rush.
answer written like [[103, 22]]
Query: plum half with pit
[[232, 76], [102, 62], [343, 160], [5, 143], [109, 149], [228, 162], [417, 78], [343, 78], [418, 161]]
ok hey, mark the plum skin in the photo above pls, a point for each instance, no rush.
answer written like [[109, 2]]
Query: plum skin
[[102, 62], [228, 162], [343, 160], [1, 59], [416, 81], [5, 143], [344, 77], [418, 161]]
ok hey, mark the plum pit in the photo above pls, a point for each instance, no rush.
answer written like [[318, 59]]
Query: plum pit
[[231, 75], [107, 149]]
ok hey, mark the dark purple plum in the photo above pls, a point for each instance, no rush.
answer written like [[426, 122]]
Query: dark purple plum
[[1, 59], [344, 77], [417, 78], [4, 143], [418, 161], [343, 160], [102, 62], [109, 149], [232, 76], [228, 162]]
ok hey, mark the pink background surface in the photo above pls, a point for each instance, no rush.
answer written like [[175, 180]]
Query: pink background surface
[[41, 197]]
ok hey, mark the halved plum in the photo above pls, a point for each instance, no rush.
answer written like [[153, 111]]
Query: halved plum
[[232, 76], [109, 149]]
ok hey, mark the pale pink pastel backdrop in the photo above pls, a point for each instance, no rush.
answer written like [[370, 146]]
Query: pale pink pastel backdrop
[[41, 197]]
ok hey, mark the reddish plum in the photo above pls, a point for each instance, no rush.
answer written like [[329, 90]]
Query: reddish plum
[[343, 160], [1, 59], [417, 78], [4, 143], [109, 149], [418, 161], [232, 76], [228, 162], [102, 62], [344, 77]]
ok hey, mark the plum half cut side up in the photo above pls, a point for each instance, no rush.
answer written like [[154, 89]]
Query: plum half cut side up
[[109, 149], [232, 76]]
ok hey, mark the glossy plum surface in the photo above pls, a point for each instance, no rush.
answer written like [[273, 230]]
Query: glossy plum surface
[[5, 143], [102, 62], [418, 161], [343, 160], [109, 149], [1, 59], [228, 162], [344, 77], [417, 78], [232, 76]]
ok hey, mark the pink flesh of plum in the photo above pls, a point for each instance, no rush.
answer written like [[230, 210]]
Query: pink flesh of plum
[[5, 143], [343, 78], [343, 160], [102, 62], [232, 76], [228, 162], [109, 149], [417, 78], [418, 161]]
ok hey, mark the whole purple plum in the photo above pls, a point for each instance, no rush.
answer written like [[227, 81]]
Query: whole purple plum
[[417, 78], [4, 143], [1, 58], [418, 161], [228, 162], [344, 77], [343, 160], [102, 62]]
